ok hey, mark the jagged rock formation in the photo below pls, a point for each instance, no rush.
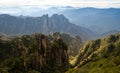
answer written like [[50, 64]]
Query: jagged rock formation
[[74, 42], [99, 56], [33, 53], [28, 25]]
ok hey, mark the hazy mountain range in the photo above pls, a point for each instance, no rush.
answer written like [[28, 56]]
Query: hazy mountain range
[[14, 25], [99, 20]]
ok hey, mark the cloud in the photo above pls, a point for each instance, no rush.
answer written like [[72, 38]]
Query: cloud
[[74, 3], [29, 7]]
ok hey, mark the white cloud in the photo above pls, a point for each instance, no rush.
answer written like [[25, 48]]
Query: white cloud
[[75, 3]]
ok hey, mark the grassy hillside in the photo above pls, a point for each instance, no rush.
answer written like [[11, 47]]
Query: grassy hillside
[[98, 56]]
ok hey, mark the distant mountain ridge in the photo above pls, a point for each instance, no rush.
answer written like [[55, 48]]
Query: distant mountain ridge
[[13, 25], [110, 33], [99, 20]]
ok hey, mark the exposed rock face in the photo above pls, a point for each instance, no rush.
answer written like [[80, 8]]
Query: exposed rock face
[[74, 42], [35, 52]]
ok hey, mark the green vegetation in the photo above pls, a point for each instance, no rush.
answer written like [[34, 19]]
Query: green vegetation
[[98, 56], [48, 54], [74, 42], [33, 54]]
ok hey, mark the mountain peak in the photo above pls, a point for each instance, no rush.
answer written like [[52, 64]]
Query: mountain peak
[[46, 15], [44, 24], [60, 17], [57, 15]]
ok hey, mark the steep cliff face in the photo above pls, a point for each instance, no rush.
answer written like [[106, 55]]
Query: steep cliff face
[[35, 52]]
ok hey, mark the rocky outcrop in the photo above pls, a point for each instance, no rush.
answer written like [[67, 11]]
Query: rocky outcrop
[[74, 42], [35, 52]]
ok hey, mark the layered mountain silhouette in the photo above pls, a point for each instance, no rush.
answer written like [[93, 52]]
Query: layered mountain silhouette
[[99, 20], [110, 33], [13, 25]]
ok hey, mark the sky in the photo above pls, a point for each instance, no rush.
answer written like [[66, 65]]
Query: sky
[[32, 7], [73, 3]]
